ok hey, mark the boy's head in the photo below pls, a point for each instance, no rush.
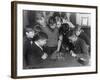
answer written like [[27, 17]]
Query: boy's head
[[64, 17], [29, 32], [57, 16], [78, 30], [37, 28], [72, 37], [52, 22], [65, 28], [41, 38], [58, 23]]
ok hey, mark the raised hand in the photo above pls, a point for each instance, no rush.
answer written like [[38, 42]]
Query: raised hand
[[68, 22]]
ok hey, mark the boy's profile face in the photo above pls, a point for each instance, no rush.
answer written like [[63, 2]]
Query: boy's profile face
[[42, 42], [30, 34], [58, 24], [78, 32]]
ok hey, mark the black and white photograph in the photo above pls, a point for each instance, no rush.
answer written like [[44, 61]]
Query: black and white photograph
[[56, 39], [53, 39]]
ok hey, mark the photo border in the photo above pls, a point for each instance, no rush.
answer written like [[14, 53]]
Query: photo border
[[14, 37]]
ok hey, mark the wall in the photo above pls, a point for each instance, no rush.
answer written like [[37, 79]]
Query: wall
[[5, 41], [80, 16]]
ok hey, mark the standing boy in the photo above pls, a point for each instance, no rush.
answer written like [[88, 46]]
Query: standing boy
[[27, 43]]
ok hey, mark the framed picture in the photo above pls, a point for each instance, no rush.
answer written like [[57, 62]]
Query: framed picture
[[50, 39], [85, 21]]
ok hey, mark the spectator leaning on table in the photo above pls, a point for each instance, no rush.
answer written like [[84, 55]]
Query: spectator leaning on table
[[64, 30], [80, 33], [80, 47]]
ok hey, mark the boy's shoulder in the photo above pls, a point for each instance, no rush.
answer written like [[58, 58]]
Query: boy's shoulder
[[26, 41], [35, 47], [80, 41]]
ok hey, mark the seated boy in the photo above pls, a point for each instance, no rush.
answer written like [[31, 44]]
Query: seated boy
[[36, 55]]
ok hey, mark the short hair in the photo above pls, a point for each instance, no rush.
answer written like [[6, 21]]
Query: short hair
[[65, 27], [56, 14], [63, 15], [77, 28], [71, 33], [28, 29], [40, 35], [37, 28], [51, 20]]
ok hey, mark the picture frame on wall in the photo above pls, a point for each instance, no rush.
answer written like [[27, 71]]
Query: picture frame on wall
[[51, 39]]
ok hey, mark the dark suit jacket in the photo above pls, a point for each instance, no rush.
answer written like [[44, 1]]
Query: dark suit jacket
[[85, 37], [26, 48], [33, 56]]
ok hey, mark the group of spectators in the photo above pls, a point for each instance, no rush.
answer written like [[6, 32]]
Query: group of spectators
[[53, 38]]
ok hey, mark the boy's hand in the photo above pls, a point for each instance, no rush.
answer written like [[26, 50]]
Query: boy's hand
[[73, 54], [44, 56], [69, 23]]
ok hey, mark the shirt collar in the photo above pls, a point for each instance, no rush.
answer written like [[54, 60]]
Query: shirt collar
[[38, 45]]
